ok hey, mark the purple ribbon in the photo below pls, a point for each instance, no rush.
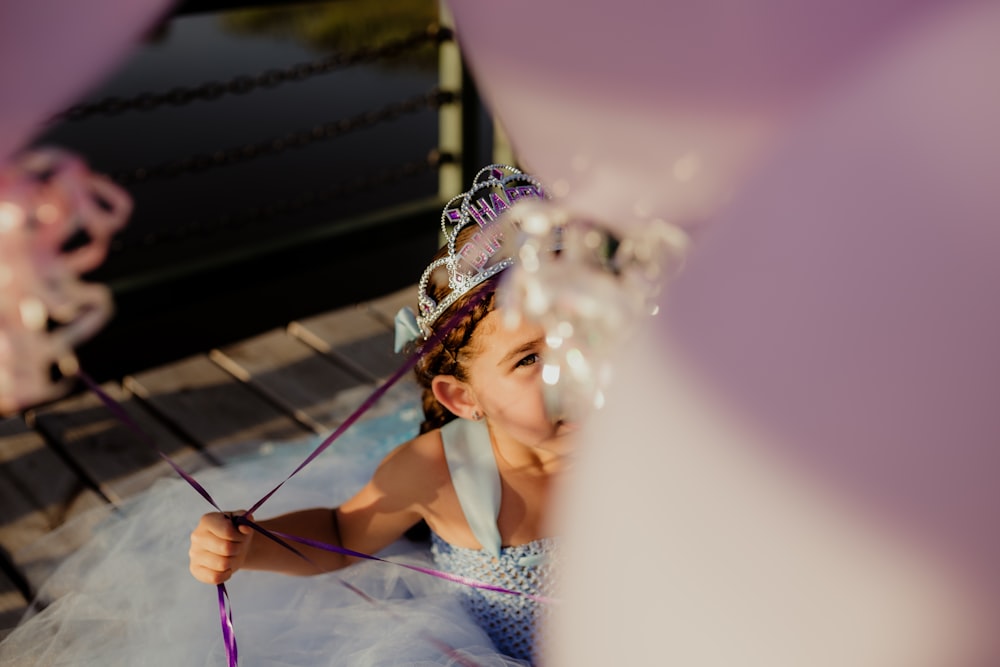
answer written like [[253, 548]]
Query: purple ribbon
[[118, 411], [228, 633], [377, 394], [225, 607], [225, 611], [448, 576]]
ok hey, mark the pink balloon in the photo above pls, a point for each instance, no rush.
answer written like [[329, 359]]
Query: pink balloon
[[867, 274], [697, 89], [53, 51], [798, 463]]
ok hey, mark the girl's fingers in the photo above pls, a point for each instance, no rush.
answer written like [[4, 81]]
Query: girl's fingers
[[221, 525], [216, 534], [243, 528], [223, 547], [208, 576], [220, 557], [218, 547]]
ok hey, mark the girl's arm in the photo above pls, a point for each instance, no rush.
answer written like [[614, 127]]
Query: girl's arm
[[388, 505], [318, 524], [219, 549]]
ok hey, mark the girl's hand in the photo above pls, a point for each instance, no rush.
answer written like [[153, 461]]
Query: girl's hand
[[218, 548]]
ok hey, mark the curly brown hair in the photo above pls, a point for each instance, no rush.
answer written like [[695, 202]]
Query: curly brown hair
[[452, 354]]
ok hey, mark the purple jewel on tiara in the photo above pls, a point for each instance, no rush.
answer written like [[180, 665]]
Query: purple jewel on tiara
[[488, 203]]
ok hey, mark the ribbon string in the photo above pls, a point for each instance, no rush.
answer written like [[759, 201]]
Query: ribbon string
[[279, 538], [228, 632], [225, 605], [410, 362], [123, 416]]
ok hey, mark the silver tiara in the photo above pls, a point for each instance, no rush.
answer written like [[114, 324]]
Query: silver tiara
[[495, 190]]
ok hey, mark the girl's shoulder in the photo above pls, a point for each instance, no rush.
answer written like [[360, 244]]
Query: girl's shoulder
[[421, 457]]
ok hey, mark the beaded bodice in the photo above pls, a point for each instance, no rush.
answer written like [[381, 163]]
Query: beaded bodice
[[512, 621]]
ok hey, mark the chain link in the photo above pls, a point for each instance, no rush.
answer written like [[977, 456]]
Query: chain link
[[202, 162], [303, 201], [241, 85]]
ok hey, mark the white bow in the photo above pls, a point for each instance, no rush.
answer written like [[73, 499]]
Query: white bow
[[407, 329]]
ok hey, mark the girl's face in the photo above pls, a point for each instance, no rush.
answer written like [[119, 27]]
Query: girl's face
[[506, 376]]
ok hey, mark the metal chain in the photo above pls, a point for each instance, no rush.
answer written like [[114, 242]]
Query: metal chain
[[293, 140], [303, 201], [241, 85]]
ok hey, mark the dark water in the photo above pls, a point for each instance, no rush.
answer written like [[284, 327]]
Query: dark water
[[197, 48], [178, 288]]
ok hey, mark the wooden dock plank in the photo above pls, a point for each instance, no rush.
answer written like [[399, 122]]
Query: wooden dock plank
[[308, 385], [120, 461], [39, 492], [386, 307], [12, 605], [362, 336], [215, 410], [38, 489], [70, 457]]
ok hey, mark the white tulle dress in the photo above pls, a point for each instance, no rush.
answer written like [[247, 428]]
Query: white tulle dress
[[126, 597]]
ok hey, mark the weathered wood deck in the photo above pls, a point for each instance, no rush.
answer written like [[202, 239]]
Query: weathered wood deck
[[60, 460]]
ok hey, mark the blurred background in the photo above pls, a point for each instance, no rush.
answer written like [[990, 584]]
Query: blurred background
[[284, 160]]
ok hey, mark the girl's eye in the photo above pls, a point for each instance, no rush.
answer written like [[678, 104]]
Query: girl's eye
[[529, 360]]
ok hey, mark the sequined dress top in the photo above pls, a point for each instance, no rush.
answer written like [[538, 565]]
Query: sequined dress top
[[512, 621]]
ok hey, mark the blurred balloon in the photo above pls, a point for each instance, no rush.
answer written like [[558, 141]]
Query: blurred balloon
[[796, 464], [49, 200], [590, 296], [53, 51], [696, 89]]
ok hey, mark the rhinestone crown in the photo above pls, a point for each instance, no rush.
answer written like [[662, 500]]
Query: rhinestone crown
[[495, 189]]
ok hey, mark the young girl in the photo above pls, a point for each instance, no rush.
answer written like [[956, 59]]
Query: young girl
[[482, 469]]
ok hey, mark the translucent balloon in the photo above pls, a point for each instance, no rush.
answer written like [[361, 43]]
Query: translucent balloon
[[53, 51], [794, 465], [696, 90], [48, 198]]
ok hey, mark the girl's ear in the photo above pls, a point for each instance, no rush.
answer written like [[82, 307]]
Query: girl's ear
[[455, 395]]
